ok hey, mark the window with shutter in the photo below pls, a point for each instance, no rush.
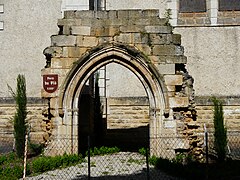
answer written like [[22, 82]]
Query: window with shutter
[[192, 6], [229, 5]]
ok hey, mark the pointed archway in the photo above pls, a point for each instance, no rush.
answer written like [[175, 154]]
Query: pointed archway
[[132, 59], [141, 42]]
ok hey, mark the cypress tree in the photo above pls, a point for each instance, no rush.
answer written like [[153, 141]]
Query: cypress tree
[[220, 133], [20, 115]]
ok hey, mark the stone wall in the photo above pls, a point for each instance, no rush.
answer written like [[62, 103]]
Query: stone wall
[[231, 108], [35, 108], [122, 113], [134, 111], [128, 112]]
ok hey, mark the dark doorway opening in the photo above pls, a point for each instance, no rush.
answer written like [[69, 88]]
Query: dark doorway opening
[[93, 124]]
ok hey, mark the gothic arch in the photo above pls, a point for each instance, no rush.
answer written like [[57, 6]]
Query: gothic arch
[[127, 56], [140, 41]]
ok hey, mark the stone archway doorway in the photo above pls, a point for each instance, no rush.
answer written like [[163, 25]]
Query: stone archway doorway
[[131, 59], [136, 39]]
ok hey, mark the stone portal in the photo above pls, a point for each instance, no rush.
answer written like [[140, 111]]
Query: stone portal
[[140, 41]]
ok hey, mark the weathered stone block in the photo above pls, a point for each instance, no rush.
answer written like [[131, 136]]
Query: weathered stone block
[[165, 59], [135, 14], [101, 14], [62, 62], [144, 48], [124, 38], [75, 52], [63, 40], [54, 51], [123, 14], [67, 30], [102, 40], [69, 22], [105, 31], [69, 14], [150, 13], [131, 28], [171, 88], [166, 68], [159, 29], [81, 30], [173, 79], [168, 50], [112, 14], [178, 102], [140, 22], [175, 38], [116, 22], [141, 38], [159, 39], [87, 41], [88, 22], [84, 14]]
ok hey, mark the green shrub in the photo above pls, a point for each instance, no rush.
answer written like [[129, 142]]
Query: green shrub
[[43, 164], [153, 160], [20, 115], [143, 151], [12, 172], [35, 149], [2, 159], [220, 132], [103, 150]]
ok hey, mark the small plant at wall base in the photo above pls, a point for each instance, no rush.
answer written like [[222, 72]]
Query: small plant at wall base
[[20, 115], [167, 15], [220, 133]]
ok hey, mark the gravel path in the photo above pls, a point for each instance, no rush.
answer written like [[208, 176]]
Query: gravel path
[[122, 165]]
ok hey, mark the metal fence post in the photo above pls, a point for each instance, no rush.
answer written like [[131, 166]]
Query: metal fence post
[[147, 161], [206, 145], [25, 152], [89, 164]]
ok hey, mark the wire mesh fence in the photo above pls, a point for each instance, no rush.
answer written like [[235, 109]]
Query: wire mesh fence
[[232, 149], [6, 143], [109, 162], [97, 162]]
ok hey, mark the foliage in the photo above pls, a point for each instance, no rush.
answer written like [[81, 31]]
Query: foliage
[[183, 158], [35, 149], [44, 163], [103, 150], [220, 133], [143, 151], [167, 15], [136, 161], [195, 170], [11, 167], [153, 160], [20, 115]]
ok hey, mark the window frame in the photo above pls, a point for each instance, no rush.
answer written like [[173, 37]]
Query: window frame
[[229, 7], [193, 8]]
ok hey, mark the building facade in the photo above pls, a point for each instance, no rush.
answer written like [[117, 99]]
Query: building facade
[[209, 34]]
